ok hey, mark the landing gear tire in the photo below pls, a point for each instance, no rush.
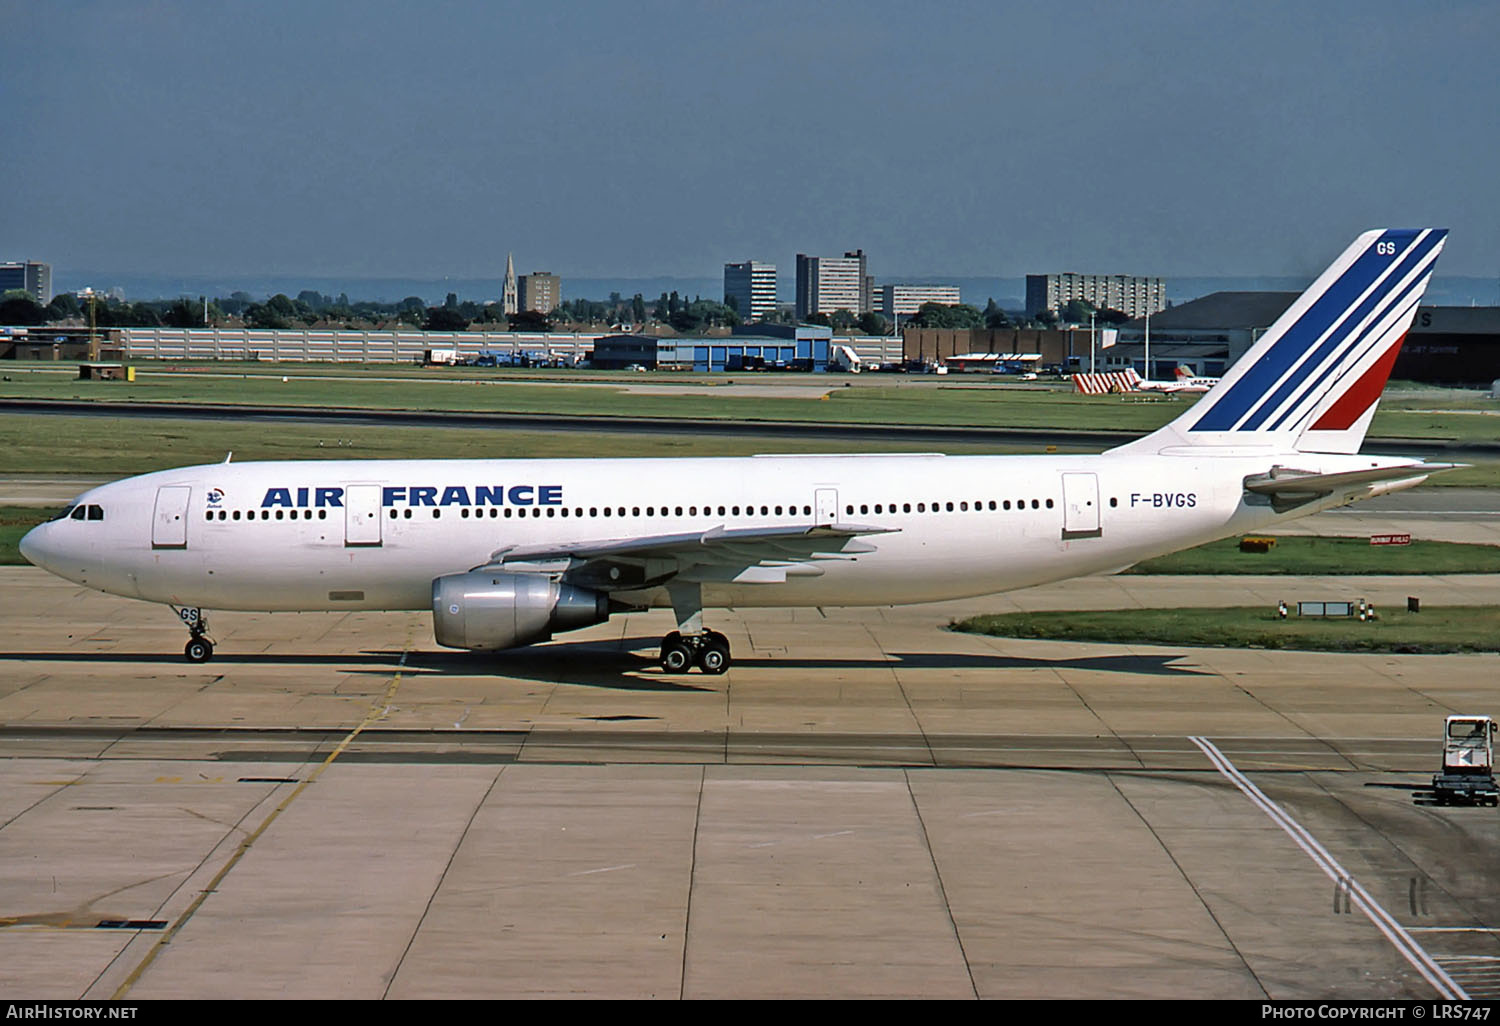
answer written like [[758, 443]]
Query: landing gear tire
[[713, 657], [676, 655], [198, 649]]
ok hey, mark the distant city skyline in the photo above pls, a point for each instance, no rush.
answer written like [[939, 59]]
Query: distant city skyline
[[1449, 290], [664, 139]]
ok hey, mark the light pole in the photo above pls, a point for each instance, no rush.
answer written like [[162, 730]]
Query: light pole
[[89, 296], [1091, 341], [1147, 375]]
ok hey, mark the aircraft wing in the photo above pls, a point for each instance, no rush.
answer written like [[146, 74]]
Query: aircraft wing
[[741, 555]]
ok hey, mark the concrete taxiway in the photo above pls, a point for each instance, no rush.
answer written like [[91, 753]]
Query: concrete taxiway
[[866, 805]]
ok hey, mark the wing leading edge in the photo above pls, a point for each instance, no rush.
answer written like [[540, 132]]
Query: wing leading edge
[[763, 555]]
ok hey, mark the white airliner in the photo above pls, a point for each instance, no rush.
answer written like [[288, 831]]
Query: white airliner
[[507, 552]]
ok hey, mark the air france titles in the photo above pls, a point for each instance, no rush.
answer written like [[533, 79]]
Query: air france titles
[[420, 495]]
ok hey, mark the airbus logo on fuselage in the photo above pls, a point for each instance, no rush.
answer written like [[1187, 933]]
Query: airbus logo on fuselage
[[421, 495]]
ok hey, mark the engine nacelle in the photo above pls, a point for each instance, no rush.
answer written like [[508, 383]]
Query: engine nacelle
[[482, 611]]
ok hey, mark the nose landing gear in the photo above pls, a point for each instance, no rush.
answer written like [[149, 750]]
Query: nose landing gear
[[199, 648]]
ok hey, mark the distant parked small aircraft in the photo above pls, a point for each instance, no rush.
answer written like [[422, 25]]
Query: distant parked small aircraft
[[1183, 380], [1128, 380]]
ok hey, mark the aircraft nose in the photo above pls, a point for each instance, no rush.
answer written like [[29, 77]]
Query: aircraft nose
[[33, 546]]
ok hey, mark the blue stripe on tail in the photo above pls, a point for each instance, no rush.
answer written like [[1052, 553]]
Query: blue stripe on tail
[[1380, 297], [1404, 298], [1314, 323]]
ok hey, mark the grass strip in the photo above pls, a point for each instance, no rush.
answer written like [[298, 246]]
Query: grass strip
[[1306, 556], [887, 400], [1460, 415], [15, 521], [122, 446], [1434, 630]]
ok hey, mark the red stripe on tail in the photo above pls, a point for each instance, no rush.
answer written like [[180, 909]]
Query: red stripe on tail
[[1353, 403]]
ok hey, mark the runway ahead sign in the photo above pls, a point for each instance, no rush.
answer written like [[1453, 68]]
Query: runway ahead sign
[[1390, 539]]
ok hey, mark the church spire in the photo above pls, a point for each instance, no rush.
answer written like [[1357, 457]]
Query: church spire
[[508, 300]]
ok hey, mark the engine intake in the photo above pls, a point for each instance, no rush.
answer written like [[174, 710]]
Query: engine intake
[[483, 611]]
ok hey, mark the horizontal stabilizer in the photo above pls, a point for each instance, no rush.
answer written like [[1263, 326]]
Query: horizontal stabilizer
[[1288, 486]]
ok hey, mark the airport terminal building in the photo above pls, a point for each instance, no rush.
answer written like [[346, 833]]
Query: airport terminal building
[[769, 345], [763, 347]]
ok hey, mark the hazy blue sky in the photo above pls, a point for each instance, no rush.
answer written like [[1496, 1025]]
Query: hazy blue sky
[[656, 138]]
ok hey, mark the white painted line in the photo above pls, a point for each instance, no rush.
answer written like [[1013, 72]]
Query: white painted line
[[1383, 920], [1376, 514], [1305, 737], [606, 869], [1452, 929]]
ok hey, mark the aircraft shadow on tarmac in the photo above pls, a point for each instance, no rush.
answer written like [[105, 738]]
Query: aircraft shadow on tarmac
[[626, 664], [597, 667], [176, 659], [607, 663], [591, 664]]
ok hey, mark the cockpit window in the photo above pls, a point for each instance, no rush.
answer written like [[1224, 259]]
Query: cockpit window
[[81, 512]]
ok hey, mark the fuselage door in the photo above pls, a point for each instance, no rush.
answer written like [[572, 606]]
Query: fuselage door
[[169, 523], [1080, 506], [361, 515], [827, 506]]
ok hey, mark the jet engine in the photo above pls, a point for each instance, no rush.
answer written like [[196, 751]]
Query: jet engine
[[482, 611]]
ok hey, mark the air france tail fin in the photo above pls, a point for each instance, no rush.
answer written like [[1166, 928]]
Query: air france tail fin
[[1312, 381]]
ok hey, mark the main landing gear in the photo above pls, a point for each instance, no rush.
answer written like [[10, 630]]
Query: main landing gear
[[199, 648], [709, 651], [690, 645]]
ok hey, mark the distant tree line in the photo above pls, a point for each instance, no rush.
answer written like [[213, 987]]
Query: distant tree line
[[960, 316], [311, 307], [1078, 311], [18, 307]]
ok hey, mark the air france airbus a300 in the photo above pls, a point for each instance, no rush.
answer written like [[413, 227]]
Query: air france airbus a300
[[507, 552]]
